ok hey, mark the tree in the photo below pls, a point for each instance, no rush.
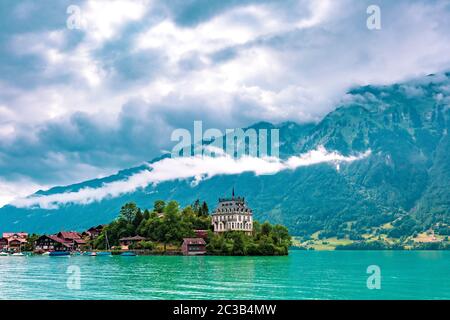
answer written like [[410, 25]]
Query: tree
[[170, 228], [204, 211], [266, 246], [159, 206], [188, 212], [256, 229], [152, 228], [129, 211], [138, 219], [31, 239], [238, 245], [266, 228], [196, 206], [280, 233]]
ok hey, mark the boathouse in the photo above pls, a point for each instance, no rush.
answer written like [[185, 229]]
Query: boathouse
[[193, 246]]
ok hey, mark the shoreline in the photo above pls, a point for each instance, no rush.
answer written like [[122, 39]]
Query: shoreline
[[292, 249]]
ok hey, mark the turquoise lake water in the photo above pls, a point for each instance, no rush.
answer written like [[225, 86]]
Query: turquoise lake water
[[301, 275]]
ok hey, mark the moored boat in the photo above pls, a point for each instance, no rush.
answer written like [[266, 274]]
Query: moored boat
[[59, 253], [128, 254], [103, 253], [18, 254], [4, 254]]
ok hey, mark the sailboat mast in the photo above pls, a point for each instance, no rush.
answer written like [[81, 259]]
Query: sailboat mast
[[107, 242]]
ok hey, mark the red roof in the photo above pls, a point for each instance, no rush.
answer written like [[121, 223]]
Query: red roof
[[193, 241], [15, 235], [59, 240], [72, 235], [19, 236]]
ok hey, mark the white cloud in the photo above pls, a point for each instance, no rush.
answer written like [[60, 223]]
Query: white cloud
[[104, 19], [12, 190], [234, 27], [278, 61], [198, 168]]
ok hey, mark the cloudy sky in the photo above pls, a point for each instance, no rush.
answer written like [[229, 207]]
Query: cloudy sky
[[83, 103]]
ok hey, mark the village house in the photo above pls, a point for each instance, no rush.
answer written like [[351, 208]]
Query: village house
[[68, 235], [13, 241], [93, 232], [232, 214], [72, 238], [193, 246], [3, 244], [62, 241], [127, 241], [51, 243]]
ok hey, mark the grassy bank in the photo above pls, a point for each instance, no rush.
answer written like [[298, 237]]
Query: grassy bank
[[421, 241]]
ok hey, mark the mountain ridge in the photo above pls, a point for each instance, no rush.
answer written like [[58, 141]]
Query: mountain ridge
[[405, 177]]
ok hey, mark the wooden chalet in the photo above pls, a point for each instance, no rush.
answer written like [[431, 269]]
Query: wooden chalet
[[51, 243], [74, 239]]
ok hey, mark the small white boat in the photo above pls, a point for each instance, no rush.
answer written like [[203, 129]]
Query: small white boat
[[4, 254], [18, 254], [46, 253]]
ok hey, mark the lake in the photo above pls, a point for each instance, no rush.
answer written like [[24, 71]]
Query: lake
[[301, 275]]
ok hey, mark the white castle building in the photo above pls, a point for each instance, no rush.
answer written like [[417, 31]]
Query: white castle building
[[232, 215]]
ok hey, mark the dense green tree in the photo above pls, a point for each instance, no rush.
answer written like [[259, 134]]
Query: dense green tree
[[196, 206], [172, 224], [204, 211], [279, 234], [170, 229], [159, 206], [146, 215], [31, 239], [138, 219], [238, 245], [266, 228], [129, 211]]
